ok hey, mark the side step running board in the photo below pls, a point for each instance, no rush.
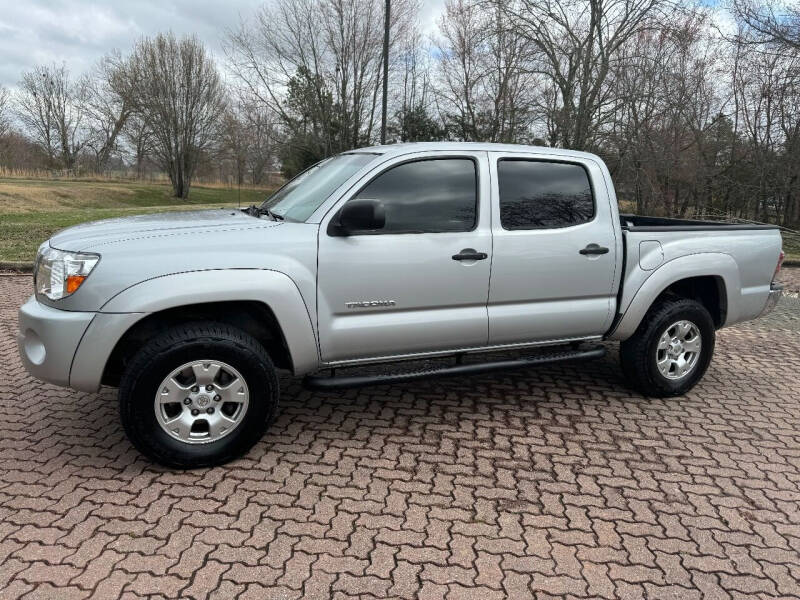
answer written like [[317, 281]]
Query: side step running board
[[318, 382]]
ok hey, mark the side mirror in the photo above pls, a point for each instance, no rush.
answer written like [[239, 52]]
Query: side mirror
[[362, 214]]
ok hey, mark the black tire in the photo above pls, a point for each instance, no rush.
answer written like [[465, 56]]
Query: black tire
[[168, 351], [638, 354]]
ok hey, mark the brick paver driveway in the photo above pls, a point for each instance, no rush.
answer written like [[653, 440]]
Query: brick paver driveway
[[550, 482]]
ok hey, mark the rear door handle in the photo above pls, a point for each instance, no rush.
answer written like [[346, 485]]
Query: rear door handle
[[593, 249], [470, 254]]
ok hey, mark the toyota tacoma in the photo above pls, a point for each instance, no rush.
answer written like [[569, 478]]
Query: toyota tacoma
[[376, 256]]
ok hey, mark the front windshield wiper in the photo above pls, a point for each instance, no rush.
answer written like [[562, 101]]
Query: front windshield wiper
[[275, 216], [257, 211]]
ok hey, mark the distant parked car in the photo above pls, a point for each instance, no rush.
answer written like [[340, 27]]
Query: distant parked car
[[376, 256]]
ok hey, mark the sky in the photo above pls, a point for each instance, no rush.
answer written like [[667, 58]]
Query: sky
[[80, 32]]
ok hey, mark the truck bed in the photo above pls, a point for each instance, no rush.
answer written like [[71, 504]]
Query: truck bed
[[741, 258]]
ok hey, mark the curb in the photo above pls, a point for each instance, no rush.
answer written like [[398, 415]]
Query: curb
[[791, 262], [18, 266]]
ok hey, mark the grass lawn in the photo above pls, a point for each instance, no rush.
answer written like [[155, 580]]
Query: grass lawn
[[31, 210], [791, 246]]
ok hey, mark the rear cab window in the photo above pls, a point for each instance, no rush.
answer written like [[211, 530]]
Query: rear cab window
[[541, 194]]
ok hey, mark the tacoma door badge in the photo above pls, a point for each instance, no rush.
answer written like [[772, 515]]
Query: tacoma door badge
[[369, 303]]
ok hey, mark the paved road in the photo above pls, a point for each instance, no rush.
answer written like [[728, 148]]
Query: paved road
[[551, 482]]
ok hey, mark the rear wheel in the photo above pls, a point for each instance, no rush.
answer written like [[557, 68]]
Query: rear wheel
[[198, 395], [671, 349]]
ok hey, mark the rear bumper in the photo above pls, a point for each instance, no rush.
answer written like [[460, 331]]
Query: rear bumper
[[775, 293], [47, 339]]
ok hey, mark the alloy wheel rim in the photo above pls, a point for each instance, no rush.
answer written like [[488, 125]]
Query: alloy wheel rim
[[678, 350], [201, 401]]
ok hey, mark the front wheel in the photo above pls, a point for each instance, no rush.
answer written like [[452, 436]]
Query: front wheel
[[671, 349], [198, 395]]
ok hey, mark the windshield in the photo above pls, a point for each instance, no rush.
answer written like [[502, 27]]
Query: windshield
[[298, 199]]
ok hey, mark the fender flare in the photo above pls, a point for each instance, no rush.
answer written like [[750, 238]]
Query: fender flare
[[274, 289], [715, 264]]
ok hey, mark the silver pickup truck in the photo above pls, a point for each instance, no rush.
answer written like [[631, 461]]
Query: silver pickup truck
[[380, 255]]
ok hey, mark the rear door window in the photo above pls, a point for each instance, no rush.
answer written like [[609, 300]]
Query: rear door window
[[536, 194]]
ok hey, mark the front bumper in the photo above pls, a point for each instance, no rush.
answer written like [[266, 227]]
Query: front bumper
[[48, 338], [775, 293]]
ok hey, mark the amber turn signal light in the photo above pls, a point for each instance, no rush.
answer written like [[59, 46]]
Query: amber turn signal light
[[74, 282]]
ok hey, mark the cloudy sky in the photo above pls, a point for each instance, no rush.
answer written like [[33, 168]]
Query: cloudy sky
[[79, 32]]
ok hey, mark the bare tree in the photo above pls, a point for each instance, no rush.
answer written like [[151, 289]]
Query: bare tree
[[248, 141], [576, 43], [669, 139], [179, 95], [52, 108], [264, 139], [772, 22], [461, 71], [316, 65], [416, 70], [4, 106], [417, 116], [485, 87], [138, 137], [634, 139], [767, 92], [234, 143], [109, 104], [704, 124]]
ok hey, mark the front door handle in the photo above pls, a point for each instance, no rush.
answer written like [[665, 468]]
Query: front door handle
[[470, 254], [593, 249]]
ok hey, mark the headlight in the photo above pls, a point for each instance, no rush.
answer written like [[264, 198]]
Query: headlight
[[59, 274]]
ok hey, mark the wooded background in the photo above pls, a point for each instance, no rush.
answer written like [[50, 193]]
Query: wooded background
[[695, 108]]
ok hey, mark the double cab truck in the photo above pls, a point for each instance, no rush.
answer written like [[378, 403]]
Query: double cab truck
[[376, 256]]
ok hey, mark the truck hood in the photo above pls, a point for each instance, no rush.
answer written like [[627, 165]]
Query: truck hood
[[94, 235]]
